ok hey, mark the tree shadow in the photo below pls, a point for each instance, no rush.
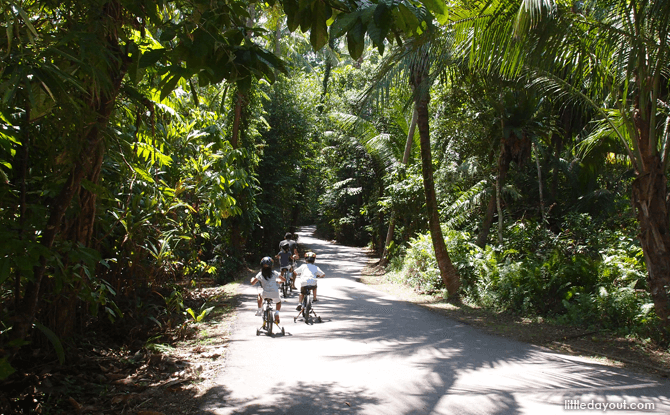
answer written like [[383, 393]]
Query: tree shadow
[[304, 398]]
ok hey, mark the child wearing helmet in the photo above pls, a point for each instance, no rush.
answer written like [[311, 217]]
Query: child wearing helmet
[[308, 273], [284, 257], [268, 279], [289, 239]]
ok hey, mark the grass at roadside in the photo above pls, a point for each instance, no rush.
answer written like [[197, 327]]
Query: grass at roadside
[[601, 346]]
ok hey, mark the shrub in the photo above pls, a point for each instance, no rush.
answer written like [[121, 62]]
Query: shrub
[[597, 281]]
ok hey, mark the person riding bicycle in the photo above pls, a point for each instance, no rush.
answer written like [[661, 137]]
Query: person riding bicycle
[[284, 258], [289, 238], [308, 273], [268, 279]]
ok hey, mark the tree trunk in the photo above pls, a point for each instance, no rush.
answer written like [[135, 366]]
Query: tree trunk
[[23, 177], [539, 181], [85, 165], [448, 273], [650, 198], [495, 203], [239, 98], [557, 143], [487, 222], [499, 183]]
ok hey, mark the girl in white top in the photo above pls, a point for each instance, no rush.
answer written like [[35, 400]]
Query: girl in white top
[[308, 272], [268, 279]]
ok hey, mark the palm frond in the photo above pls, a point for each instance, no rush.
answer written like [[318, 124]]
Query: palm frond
[[458, 211]]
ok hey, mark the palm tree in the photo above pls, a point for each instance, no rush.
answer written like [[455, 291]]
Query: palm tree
[[612, 56], [413, 60], [420, 81]]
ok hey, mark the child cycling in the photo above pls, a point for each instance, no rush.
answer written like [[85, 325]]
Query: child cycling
[[284, 257], [308, 273], [268, 279], [293, 251]]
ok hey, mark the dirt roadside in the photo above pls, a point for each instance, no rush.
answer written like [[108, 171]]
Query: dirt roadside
[[602, 347]]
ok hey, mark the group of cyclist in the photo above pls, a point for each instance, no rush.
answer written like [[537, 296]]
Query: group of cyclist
[[270, 279]]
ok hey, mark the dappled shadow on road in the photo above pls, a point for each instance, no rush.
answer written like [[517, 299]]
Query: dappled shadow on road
[[464, 366], [304, 398], [423, 362]]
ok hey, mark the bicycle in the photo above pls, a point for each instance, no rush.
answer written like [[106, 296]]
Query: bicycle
[[286, 286], [306, 309], [268, 319]]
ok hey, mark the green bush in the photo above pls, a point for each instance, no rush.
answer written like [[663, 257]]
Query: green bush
[[586, 277], [420, 266]]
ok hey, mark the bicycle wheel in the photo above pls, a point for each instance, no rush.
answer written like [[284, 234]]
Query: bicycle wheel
[[307, 309], [305, 312], [269, 322]]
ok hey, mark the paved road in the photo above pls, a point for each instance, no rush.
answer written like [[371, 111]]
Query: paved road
[[374, 354]]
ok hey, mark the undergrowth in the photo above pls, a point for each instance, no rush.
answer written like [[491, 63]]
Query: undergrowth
[[580, 276]]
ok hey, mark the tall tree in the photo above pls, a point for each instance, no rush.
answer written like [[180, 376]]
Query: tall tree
[[421, 82], [612, 56]]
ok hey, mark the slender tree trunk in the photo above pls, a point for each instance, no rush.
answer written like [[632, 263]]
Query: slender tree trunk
[[410, 137], [495, 203], [652, 204], [239, 98], [23, 176], [488, 221], [80, 230], [499, 181], [448, 273], [278, 38], [539, 181], [405, 160]]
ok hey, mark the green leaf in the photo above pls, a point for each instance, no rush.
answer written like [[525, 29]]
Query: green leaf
[[26, 20], [344, 23], [55, 341], [383, 18], [5, 267], [410, 19], [151, 57], [356, 40], [204, 313], [170, 86], [318, 37], [192, 313], [6, 369], [292, 14], [379, 26], [437, 7], [168, 33]]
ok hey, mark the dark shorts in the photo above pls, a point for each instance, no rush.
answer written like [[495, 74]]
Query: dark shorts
[[305, 290]]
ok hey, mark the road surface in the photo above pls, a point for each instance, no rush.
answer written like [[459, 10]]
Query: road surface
[[374, 354]]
